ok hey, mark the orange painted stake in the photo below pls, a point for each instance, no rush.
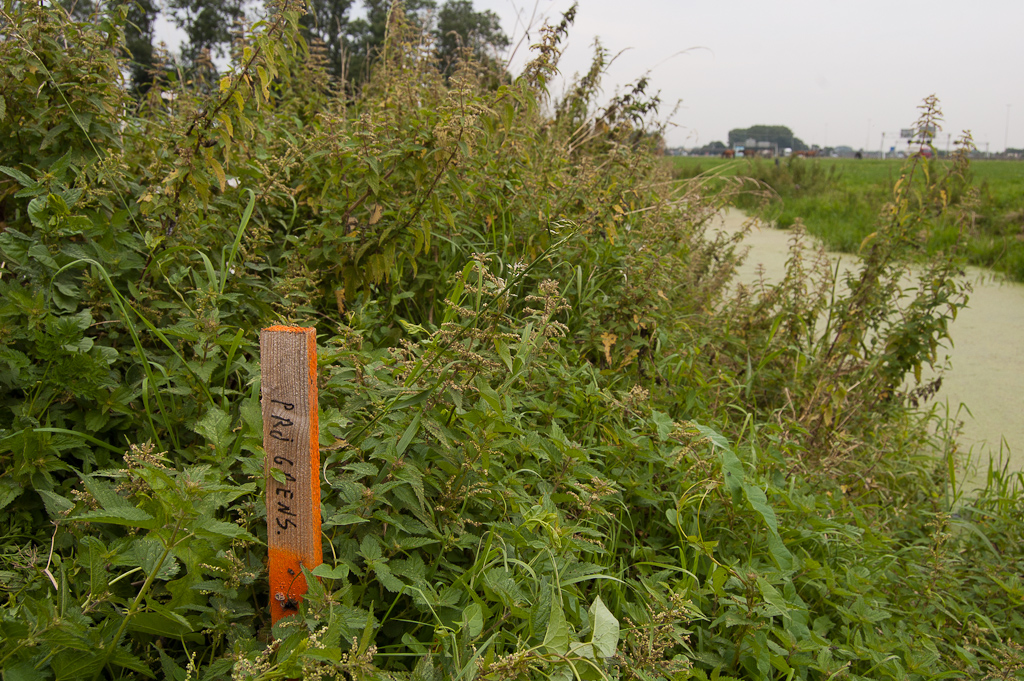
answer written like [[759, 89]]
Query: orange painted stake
[[291, 440]]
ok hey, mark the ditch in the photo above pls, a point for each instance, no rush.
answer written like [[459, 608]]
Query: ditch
[[982, 386]]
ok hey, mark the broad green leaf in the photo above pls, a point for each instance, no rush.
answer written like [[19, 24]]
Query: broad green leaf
[[151, 555], [556, 639], [171, 670], [605, 635], [418, 398], [9, 491], [97, 563], [473, 619], [37, 212], [773, 597], [105, 493], [77, 664], [56, 505], [212, 527], [582, 650], [165, 623], [501, 347], [215, 426], [23, 671], [363, 469], [21, 177], [664, 424], [387, 578], [252, 416], [343, 519], [123, 658], [759, 502], [369, 548], [426, 670], [340, 571], [131, 516]]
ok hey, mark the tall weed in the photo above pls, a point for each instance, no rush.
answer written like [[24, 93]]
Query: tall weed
[[549, 445]]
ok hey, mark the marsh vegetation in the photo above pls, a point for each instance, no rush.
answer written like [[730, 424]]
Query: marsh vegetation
[[839, 201]]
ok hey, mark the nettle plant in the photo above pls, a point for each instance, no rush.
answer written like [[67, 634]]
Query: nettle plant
[[146, 242], [830, 351], [521, 343]]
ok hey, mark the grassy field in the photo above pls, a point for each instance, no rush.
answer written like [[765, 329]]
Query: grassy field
[[839, 201]]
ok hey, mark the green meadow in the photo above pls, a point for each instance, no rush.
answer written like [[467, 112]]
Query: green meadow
[[839, 201]]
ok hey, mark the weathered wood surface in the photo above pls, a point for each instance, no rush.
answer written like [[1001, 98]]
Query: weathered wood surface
[[291, 442]]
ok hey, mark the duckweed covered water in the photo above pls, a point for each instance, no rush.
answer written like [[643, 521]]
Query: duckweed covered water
[[984, 385]]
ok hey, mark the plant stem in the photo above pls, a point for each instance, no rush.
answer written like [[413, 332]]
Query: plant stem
[[133, 610]]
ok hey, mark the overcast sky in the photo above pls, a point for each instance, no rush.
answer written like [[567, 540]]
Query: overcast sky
[[836, 73]]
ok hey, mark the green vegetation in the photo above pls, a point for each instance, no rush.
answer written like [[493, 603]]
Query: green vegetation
[[344, 47], [779, 135], [553, 445], [839, 201]]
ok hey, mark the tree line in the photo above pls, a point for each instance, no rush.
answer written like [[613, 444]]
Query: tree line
[[775, 134], [347, 44]]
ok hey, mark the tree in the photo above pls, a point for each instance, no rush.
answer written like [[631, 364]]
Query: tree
[[138, 32], [456, 26], [138, 39], [460, 27], [208, 26], [327, 22], [776, 134], [366, 36]]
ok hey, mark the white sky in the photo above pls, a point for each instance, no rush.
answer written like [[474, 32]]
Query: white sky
[[837, 73]]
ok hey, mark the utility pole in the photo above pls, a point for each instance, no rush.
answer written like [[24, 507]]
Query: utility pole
[[882, 147], [1006, 136]]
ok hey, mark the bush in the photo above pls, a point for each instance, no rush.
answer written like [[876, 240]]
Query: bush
[[550, 445]]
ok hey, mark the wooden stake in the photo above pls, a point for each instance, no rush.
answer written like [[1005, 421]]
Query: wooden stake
[[291, 440]]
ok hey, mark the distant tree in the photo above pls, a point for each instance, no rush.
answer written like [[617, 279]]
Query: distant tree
[[208, 28], [138, 38], [366, 35], [776, 134], [327, 22], [138, 32], [79, 10], [349, 47], [459, 26]]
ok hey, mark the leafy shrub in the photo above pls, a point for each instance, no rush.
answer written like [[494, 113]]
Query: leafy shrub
[[543, 453]]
